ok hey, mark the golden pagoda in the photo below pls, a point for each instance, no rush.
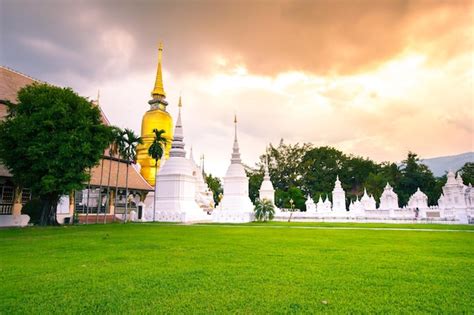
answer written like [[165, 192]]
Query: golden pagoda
[[155, 118]]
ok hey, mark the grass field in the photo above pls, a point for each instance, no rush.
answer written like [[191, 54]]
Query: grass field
[[256, 268]]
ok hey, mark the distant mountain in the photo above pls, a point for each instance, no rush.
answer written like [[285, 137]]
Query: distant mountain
[[440, 165]]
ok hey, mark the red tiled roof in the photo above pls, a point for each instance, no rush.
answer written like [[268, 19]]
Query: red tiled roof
[[12, 81], [135, 180]]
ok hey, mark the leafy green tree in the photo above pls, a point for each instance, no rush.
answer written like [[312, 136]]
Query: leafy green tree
[[414, 175], [283, 198], [285, 164], [264, 210], [49, 141], [255, 177], [467, 173], [320, 168], [156, 151], [129, 153], [215, 186]]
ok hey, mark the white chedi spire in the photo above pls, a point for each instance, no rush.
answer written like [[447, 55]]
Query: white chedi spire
[[235, 205], [176, 185], [266, 189], [338, 197], [177, 146], [235, 149]]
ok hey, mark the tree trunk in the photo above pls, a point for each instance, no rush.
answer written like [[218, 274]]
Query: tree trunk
[[126, 195], [154, 195], [88, 195], [49, 208], [116, 186]]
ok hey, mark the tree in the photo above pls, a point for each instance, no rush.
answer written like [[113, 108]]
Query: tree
[[215, 186], [467, 173], [321, 166], [416, 175], [264, 210], [129, 154], [156, 151], [255, 177], [49, 141], [284, 164]]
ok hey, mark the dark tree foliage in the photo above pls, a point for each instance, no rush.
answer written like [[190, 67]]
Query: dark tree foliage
[[320, 168], [215, 186], [467, 173], [416, 175], [283, 198], [50, 141], [255, 181]]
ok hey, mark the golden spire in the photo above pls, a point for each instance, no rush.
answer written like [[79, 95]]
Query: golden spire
[[158, 90]]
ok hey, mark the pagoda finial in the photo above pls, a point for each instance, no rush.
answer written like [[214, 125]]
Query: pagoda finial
[[179, 102], [98, 96], [158, 90], [235, 153]]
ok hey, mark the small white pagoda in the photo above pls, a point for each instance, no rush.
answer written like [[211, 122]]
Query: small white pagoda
[[338, 198], [235, 206], [419, 200], [389, 199], [204, 196], [266, 189], [310, 205], [176, 185]]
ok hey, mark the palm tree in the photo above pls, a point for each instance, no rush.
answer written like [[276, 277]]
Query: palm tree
[[129, 153], [156, 150], [264, 210]]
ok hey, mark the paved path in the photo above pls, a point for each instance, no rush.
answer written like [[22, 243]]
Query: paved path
[[318, 227]]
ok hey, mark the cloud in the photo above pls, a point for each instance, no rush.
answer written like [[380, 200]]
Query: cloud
[[373, 78]]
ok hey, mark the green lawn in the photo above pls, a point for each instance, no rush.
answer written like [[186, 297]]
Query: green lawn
[[150, 268]]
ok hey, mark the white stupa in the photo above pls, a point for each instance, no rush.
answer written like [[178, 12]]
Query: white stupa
[[235, 206], [418, 200], [389, 199], [327, 204], [368, 203], [176, 185], [453, 196], [338, 198], [204, 196], [266, 189], [310, 205], [320, 205]]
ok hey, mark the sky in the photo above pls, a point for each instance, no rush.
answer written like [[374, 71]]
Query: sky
[[374, 78]]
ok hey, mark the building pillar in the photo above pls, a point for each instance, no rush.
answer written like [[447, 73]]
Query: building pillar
[[112, 202], [16, 209]]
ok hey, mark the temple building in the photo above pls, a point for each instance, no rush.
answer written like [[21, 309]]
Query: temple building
[[104, 196], [176, 185], [157, 117], [235, 205]]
